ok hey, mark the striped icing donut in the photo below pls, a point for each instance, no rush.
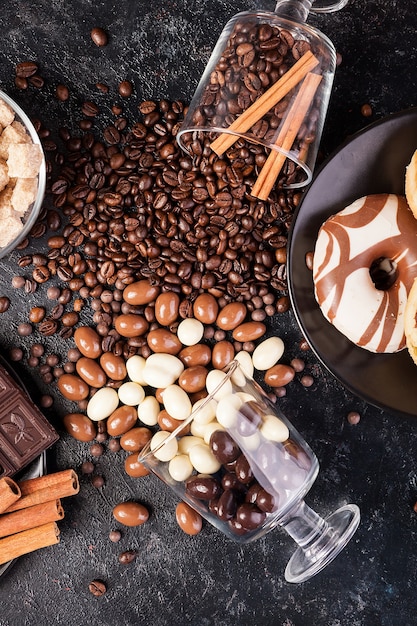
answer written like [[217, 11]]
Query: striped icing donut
[[365, 262]]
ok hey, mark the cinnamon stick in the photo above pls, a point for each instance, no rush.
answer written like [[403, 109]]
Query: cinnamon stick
[[28, 541], [46, 488], [9, 493], [286, 136], [16, 522], [262, 105]]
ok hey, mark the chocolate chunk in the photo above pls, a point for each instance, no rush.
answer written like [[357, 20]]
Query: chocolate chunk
[[24, 431]]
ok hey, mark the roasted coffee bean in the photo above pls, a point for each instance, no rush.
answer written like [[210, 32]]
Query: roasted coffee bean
[[41, 274], [21, 82], [30, 286], [57, 311], [62, 92], [127, 557], [25, 69], [48, 326], [36, 80], [90, 109], [97, 588]]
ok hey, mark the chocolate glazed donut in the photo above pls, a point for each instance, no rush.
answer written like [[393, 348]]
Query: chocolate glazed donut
[[365, 262]]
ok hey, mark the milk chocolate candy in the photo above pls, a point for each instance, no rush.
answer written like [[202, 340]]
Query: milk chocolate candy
[[24, 431]]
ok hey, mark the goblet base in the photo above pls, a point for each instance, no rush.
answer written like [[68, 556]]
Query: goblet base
[[342, 525]]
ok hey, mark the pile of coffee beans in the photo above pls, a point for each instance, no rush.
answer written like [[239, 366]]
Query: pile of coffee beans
[[130, 205], [139, 207]]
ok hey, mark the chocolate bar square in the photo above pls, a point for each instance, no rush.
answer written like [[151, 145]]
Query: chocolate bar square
[[24, 431]]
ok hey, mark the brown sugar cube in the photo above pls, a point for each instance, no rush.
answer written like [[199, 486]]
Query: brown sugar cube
[[24, 160], [4, 174], [24, 194], [6, 114], [14, 133], [6, 207], [10, 227]]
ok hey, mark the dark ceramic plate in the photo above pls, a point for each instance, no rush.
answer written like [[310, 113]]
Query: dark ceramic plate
[[373, 161], [36, 468]]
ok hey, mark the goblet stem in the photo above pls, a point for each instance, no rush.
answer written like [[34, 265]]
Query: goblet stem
[[319, 540], [297, 10]]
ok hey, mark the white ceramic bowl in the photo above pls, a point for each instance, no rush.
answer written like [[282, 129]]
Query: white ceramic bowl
[[32, 214]]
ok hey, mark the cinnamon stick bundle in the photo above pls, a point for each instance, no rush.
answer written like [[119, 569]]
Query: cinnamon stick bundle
[[264, 103], [46, 488], [286, 137], [24, 519], [28, 541], [9, 493]]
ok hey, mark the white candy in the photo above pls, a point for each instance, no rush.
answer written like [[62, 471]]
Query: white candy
[[274, 429], [187, 442], [245, 361], [131, 393], [102, 404], [167, 451], [135, 366], [148, 411], [162, 370], [203, 459], [190, 331], [246, 397], [210, 429], [250, 443], [177, 402], [268, 353], [205, 411], [197, 429], [214, 379], [180, 467], [228, 409]]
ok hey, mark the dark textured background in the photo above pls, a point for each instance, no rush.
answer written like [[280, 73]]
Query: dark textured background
[[207, 580]]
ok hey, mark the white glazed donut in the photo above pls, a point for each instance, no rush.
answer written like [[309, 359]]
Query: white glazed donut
[[374, 233]]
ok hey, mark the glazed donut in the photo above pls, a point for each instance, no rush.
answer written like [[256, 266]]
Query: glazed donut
[[410, 322], [364, 264]]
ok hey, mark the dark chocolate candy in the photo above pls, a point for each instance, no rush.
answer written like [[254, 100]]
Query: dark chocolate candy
[[24, 431]]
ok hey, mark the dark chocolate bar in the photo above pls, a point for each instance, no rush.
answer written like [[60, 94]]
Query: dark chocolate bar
[[24, 431]]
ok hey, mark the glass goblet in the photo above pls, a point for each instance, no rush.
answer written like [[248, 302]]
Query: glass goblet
[[248, 471]]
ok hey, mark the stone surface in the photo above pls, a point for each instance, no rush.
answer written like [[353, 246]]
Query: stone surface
[[162, 47]]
